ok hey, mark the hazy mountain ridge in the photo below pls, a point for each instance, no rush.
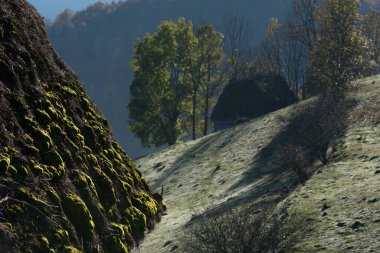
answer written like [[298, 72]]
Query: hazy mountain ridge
[[97, 43]]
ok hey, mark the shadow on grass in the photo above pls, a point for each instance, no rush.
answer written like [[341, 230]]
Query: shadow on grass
[[311, 131], [191, 153]]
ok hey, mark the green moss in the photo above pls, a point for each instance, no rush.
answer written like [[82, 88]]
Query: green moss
[[57, 131], [53, 113], [10, 150], [41, 139], [71, 249], [30, 197], [47, 171], [146, 203], [126, 187], [82, 181], [14, 210], [72, 144], [53, 196], [107, 166], [41, 170], [22, 173], [87, 150], [54, 163], [114, 155], [137, 221], [106, 190], [68, 91], [73, 132], [42, 117], [45, 242], [61, 236], [79, 215], [116, 245], [92, 158], [5, 162], [12, 171]]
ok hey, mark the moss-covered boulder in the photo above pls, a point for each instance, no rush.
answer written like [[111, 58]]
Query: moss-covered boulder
[[65, 184]]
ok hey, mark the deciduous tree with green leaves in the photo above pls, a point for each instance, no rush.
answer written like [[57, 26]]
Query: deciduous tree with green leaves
[[203, 58], [175, 72], [157, 91]]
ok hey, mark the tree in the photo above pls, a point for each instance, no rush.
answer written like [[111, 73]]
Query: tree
[[342, 53], [238, 34], [371, 28], [287, 46], [203, 54], [303, 17], [300, 39], [294, 57], [273, 46], [267, 59], [157, 91], [173, 67], [210, 41]]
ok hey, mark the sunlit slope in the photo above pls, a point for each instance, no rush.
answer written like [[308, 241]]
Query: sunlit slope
[[223, 170], [342, 202]]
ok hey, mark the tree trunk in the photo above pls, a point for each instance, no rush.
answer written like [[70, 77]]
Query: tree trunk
[[324, 158], [207, 103], [303, 92], [193, 113], [205, 129]]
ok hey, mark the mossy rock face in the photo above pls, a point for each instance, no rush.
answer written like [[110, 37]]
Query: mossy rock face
[[78, 214], [5, 162], [105, 187], [66, 185], [137, 221]]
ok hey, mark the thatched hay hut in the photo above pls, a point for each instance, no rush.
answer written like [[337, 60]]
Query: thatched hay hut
[[247, 99]]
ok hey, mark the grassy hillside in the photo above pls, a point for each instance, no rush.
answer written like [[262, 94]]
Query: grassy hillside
[[233, 167], [65, 184], [220, 171], [342, 203]]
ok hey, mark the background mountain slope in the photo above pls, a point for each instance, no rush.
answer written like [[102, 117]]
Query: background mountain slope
[[65, 184], [228, 169], [98, 42]]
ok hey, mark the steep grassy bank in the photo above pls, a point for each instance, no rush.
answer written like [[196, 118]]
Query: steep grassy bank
[[65, 184], [340, 204]]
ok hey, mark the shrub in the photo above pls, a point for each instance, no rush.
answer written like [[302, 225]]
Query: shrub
[[237, 231], [293, 157], [311, 133]]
